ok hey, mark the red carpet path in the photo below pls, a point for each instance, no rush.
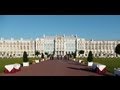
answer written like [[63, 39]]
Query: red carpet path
[[54, 68]]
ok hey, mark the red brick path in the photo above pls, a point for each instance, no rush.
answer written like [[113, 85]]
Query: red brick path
[[54, 68]]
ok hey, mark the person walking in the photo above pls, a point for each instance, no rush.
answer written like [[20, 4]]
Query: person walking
[[61, 57]]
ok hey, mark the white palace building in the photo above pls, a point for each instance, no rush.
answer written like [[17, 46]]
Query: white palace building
[[60, 44]]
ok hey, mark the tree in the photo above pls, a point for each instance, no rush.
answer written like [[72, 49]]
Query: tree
[[90, 57], [42, 55], [81, 52], [46, 53], [117, 49], [75, 54], [37, 53], [25, 57]]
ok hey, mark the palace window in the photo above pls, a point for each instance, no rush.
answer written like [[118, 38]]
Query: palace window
[[21, 47], [28, 47]]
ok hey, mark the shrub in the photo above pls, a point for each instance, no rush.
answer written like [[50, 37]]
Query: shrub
[[81, 52], [42, 55], [90, 57], [37, 53], [117, 49], [25, 57]]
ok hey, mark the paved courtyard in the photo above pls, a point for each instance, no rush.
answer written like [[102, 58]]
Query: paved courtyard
[[55, 68]]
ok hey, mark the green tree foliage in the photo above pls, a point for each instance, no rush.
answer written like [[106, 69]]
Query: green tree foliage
[[37, 53], [90, 57], [25, 57], [117, 49], [42, 55], [81, 52], [46, 53]]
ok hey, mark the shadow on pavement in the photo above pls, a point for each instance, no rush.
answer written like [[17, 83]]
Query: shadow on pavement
[[77, 64], [88, 70], [74, 68], [84, 69]]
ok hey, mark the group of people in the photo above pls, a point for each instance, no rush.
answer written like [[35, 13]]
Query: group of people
[[60, 57], [51, 57], [66, 57]]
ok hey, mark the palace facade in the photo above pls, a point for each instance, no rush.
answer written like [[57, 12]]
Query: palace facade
[[60, 44]]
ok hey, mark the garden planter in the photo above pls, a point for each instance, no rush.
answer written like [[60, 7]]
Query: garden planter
[[101, 69], [9, 69], [83, 62], [25, 64], [42, 60], [33, 61], [36, 61], [80, 61], [117, 72], [17, 67], [90, 63]]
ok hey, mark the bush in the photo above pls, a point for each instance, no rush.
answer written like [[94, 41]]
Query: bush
[[75, 54], [25, 57], [81, 52], [37, 53], [117, 49], [47, 54], [90, 57], [42, 55]]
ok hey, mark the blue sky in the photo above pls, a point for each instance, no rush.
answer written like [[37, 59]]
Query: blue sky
[[100, 27]]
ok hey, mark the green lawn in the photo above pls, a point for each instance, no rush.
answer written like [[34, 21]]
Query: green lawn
[[110, 63], [5, 61]]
